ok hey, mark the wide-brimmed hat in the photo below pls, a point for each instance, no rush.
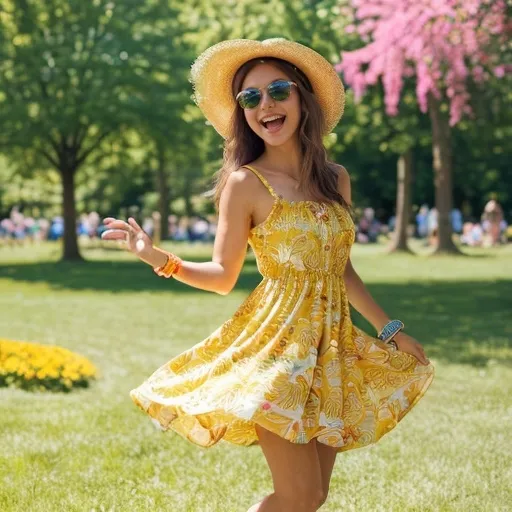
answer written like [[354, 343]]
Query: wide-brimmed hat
[[213, 72]]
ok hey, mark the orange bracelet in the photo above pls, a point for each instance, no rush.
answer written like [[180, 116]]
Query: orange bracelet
[[170, 267]]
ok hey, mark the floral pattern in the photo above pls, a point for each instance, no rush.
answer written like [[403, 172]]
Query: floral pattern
[[289, 358]]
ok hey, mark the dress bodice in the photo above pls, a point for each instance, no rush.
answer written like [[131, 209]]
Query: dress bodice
[[302, 236]]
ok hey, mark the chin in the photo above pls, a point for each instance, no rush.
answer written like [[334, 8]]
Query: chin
[[276, 140]]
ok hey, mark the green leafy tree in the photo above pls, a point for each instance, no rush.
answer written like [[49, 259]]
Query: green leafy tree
[[74, 74]]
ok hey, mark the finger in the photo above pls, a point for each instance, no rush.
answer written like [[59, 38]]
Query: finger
[[114, 234], [424, 356], [107, 220], [134, 224], [424, 359], [120, 224]]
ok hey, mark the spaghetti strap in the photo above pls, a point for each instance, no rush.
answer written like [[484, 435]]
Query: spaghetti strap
[[263, 180]]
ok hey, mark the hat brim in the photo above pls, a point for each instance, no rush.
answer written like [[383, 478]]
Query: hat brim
[[213, 71]]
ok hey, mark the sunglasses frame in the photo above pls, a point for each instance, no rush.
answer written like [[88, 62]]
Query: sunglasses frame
[[288, 82]]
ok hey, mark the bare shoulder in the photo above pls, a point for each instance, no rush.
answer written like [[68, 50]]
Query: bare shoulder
[[343, 182], [342, 171], [241, 182]]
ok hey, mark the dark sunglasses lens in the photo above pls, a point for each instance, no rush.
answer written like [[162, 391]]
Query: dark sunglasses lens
[[249, 98], [279, 90]]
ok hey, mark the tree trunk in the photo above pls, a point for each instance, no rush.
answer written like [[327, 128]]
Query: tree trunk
[[163, 190], [403, 203], [442, 163], [71, 251]]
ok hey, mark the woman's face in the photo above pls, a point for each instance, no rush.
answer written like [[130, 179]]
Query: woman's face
[[277, 132]]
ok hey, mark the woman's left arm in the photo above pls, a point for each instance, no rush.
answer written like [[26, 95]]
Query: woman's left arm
[[361, 298]]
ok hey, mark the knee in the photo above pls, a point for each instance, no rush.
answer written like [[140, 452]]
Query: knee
[[303, 499]]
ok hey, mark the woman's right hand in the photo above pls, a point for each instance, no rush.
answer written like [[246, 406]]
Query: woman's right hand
[[137, 241]]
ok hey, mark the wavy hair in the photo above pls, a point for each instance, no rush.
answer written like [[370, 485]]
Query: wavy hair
[[318, 176]]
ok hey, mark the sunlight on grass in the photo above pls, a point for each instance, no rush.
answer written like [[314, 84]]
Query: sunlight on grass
[[92, 449]]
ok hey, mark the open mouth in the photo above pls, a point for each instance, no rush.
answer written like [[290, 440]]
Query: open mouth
[[274, 123]]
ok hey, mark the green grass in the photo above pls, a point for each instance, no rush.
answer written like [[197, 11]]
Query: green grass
[[94, 450]]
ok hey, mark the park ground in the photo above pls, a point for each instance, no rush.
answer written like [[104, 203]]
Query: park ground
[[93, 450]]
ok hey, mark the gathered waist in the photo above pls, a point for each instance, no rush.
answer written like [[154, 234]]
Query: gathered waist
[[287, 271]]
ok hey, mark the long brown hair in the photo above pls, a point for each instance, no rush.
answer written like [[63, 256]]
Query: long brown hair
[[318, 176]]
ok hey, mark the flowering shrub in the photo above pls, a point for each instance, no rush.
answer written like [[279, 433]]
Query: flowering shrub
[[439, 42], [34, 366]]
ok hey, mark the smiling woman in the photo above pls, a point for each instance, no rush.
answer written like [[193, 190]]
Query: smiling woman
[[288, 371]]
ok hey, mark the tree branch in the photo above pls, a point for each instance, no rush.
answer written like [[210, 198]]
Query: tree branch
[[50, 159], [80, 160]]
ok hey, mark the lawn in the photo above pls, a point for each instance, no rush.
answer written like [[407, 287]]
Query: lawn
[[94, 450]]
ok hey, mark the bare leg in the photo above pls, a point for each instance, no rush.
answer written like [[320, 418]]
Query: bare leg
[[327, 457], [296, 474]]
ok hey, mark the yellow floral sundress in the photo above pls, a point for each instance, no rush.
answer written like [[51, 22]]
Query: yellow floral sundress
[[289, 358]]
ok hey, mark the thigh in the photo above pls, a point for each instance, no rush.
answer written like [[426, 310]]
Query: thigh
[[327, 458], [295, 468]]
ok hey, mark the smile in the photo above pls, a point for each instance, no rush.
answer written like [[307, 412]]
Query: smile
[[273, 123]]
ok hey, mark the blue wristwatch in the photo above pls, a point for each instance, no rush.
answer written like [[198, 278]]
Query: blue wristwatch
[[390, 330]]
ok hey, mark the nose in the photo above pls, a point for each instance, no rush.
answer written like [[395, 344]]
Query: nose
[[266, 100]]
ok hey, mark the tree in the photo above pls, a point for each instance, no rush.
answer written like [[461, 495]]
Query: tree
[[73, 74], [447, 47]]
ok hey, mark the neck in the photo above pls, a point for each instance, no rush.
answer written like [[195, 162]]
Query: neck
[[287, 157]]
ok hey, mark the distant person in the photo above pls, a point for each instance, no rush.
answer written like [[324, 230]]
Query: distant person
[[181, 234], [44, 228], [148, 225], [432, 226], [18, 222], [422, 221], [472, 234], [368, 227], [83, 225], [392, 223], [94, 223], [56, 228], [493, 214], [456, 219], [200, 229]]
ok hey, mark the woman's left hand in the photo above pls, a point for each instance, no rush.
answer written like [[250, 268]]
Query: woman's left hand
[[408, 344]]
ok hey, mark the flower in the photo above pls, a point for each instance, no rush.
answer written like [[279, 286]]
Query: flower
[[46, 367]]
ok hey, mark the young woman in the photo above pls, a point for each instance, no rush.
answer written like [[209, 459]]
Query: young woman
[[288, 371]]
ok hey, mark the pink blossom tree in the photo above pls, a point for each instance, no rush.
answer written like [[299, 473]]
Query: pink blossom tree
[[444, 46]]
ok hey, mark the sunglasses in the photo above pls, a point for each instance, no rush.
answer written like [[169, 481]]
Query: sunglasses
[[278, 90]]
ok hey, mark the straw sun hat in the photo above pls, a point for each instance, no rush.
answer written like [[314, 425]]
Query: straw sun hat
[[213, 72]]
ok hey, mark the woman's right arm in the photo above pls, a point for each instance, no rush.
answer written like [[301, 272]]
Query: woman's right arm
[[230, 245]]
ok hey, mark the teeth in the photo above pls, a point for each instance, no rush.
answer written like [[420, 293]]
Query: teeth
[[271, 118]]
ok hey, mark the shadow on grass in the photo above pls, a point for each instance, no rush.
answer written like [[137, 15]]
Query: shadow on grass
[[456, 321], [109, 276], [465, 322]]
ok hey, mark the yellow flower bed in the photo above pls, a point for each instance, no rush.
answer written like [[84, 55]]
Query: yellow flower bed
[[35, 366]]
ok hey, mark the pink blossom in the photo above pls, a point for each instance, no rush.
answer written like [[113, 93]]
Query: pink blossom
[[499, 71], [442, 42]]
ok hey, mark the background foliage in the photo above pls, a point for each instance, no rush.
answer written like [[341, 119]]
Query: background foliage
[[100, 89]]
